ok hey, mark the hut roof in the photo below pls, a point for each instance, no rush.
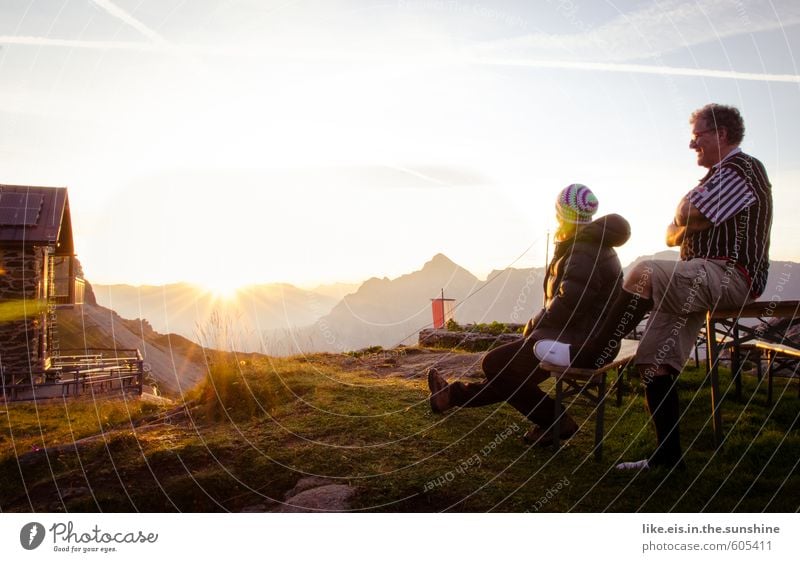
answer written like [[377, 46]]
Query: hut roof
[[36, 216]]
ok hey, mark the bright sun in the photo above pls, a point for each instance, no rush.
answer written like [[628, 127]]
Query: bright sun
[[222, 289]]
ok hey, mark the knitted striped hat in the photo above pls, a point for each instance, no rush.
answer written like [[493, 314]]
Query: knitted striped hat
[[576, 204]]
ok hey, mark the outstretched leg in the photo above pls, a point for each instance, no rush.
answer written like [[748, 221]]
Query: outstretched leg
[[472, 395], [512, 375]]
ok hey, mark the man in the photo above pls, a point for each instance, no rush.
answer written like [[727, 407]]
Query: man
[[723, 229]]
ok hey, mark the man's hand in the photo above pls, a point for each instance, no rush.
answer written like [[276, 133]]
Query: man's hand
[[681, 213], [675, 235], [688, 220]]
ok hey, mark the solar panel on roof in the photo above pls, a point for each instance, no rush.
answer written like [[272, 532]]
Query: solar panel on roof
[[20, 209]]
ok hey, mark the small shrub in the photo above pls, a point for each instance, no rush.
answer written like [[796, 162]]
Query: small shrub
[[226, 393], [372, 350]]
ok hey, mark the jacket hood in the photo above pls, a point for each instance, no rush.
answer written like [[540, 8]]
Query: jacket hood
[[610, 230]]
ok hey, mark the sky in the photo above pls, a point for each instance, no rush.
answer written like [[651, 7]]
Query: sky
[[233, 142]]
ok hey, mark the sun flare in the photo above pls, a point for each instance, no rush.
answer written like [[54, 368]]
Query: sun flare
[[221, 289]]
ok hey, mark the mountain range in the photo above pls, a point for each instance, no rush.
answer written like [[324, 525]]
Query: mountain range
[[281, 319], [246, 322]]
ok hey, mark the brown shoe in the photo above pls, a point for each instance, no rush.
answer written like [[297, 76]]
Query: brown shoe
[[440, 392], [544, 437]]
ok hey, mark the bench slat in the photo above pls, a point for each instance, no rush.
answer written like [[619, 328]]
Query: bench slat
[[759, 309]]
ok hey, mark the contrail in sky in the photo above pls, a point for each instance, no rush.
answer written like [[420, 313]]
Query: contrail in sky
[[639, 69], [79, 44], [121, 14], [417, 174], [332, 56]]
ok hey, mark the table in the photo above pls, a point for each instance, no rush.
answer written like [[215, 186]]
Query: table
[[727, 323], [778, 357]]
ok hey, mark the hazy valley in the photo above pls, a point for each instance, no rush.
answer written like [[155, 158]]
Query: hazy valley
[[281, 319]]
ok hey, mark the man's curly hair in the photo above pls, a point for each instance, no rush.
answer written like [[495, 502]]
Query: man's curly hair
[[722, 117]]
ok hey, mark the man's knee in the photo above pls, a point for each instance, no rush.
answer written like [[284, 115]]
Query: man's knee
[[639, 280]]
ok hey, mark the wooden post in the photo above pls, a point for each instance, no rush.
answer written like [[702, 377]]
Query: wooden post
[[558, 409], [620, 383], [771, 355], [601, 410], [736, 364], [696, 355], [713, 373], [140, 368], [759, 370], [71, 280]]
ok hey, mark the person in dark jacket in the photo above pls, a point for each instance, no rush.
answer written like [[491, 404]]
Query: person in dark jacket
[[583, 277]]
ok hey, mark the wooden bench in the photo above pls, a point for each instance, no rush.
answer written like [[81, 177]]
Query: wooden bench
[[590, 383], [727, 323], [777, 356], [112, 368]]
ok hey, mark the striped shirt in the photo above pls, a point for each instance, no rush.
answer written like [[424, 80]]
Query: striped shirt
[[736, 197]]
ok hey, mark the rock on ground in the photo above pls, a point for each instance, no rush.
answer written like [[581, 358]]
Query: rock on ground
[[315, 494]]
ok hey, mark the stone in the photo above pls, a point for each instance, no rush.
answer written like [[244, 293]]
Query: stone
[[465, 341], [330, 498], [307, 483]]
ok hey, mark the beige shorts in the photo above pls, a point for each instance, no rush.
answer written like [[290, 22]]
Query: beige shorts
[[682, 293]]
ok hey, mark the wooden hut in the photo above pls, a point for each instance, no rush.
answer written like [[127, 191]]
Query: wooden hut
[[37, 275]]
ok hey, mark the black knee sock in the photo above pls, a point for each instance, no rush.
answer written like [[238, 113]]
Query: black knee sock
[[662, 402], [624, 314]]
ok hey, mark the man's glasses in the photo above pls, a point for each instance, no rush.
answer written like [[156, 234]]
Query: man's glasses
[[699, 134]]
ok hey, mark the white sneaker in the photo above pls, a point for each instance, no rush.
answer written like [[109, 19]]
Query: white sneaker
[[634, 465], [553, 352]]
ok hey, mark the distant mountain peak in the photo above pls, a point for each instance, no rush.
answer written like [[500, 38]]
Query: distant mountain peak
[[439, 261]]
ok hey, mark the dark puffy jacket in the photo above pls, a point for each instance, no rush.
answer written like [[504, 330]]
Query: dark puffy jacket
[[582, 280]]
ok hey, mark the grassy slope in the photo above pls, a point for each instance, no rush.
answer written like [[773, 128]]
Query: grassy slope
[[75, 334], [313, 418]]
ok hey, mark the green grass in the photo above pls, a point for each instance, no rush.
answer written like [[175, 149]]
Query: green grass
[[282, 419]]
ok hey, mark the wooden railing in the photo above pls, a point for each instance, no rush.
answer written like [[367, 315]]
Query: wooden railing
[[93, 371], [725, 326]]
